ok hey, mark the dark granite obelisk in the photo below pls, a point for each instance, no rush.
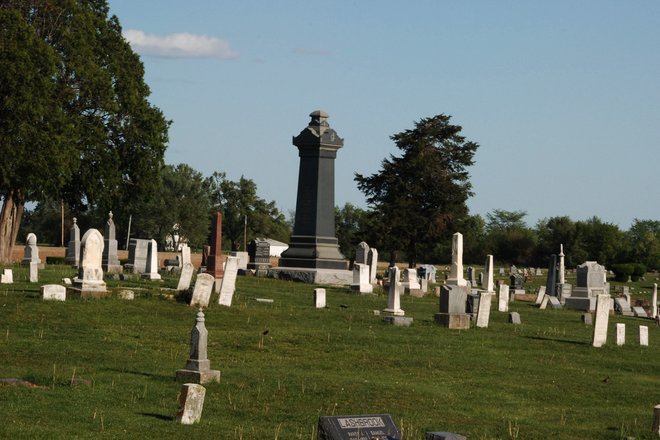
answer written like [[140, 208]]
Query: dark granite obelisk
[[313, 243]]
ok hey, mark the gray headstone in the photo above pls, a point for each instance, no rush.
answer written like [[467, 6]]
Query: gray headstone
[[587, 319], [357, 427], [362, 253], [202, 291], [72, 255], [640, 312], [602, 317], [514, 318], [554, 302], [151, 271], [228, 283], [191, 403], [198, 367], [394, 294], [110, 258], [34, 272], [138, 249]]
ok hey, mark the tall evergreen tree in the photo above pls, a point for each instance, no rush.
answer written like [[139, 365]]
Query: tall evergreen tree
[[75, 122], [419, 196]]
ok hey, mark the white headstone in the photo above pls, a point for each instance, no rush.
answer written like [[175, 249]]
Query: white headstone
[[456, 271], [34, 272], [540, 294], [185, 277], [53, 292], [126, 294], [394, 294], [361, 279], [31, 251], [554, 302], [7, 277], [503, 303], [654, 301], [373, 265], [191, 403], [602, 318], [90, 271], [544, 302], [488, 275], [620, 334], [562, 271], [640, 312], [202, 291], [410, 277], [643, 335], [152, 262], [483, 312], [319, 298], [228, 283], [185, 254]]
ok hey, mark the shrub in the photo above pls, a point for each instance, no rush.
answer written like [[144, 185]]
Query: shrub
[[638, 271], [623, 271]]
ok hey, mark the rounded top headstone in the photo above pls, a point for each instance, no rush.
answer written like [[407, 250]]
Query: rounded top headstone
[[31, 239]]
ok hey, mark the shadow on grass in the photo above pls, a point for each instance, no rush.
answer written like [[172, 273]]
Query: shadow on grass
[[143, 373], [564, 341], [158, 416]]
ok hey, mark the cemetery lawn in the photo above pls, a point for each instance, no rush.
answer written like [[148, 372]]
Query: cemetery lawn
[[105, 368]]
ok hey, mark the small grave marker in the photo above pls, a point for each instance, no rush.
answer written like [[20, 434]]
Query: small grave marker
[[191, 403]]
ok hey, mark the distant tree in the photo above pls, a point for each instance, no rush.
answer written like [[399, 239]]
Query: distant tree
[[179, 211], [553, 232], [350, 225], [244, 211], [508, 238], [418, 197], [644, 239], [598, 241], [75, 123]]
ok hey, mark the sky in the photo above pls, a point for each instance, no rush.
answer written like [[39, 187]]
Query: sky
[[563, 97]]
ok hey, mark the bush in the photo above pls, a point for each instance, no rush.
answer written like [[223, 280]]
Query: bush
[[623, 271], [638, 271]]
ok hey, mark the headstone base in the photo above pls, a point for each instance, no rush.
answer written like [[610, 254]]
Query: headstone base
[[200, 377], [314, 276], [394, 312], [454, 321], [86, 292], [399, 321]]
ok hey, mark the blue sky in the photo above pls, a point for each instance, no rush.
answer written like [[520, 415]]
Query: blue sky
[[562, 96]]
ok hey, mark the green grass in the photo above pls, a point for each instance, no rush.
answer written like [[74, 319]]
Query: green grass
[[105, 368]]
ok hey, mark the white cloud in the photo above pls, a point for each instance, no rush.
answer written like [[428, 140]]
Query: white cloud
[[179, 45]]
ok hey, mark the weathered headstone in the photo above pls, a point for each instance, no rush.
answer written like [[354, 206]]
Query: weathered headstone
[[602, 318], [483, 312], [243, 259], [185, 276], [31, 251], [362, 253], [214, 263], [152, 262], [540, 294], [72, 256], [357, 427], [198, 367], [90, 272], [228, 282], [622, 306], [410, 279], [53, 292], [640, 312], [544, 302], [456, 271], [372, 261], [514, 318], [488, 275], [191, 403], [259, 253], [7, 276], [654, 301], [185, 254], [643, 335], [394, 294], [34, 272], [452, 314], [138, 249], [587, 319], [110, 258], [202, 291], [503, 303], [561, 272], [126, 294], [591, 281], [554, 302], [361, 282], [620, 333], [319, 298]]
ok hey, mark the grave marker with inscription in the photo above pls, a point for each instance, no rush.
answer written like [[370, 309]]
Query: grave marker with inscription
[[359, 427]]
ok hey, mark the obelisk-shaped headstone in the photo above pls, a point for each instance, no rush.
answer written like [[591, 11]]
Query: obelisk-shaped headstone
[[456, 271], [198, 368], [488, 275], [562, 270], [73, 247], [214, 263], [110, 258], [654, 301], [394, 294]]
